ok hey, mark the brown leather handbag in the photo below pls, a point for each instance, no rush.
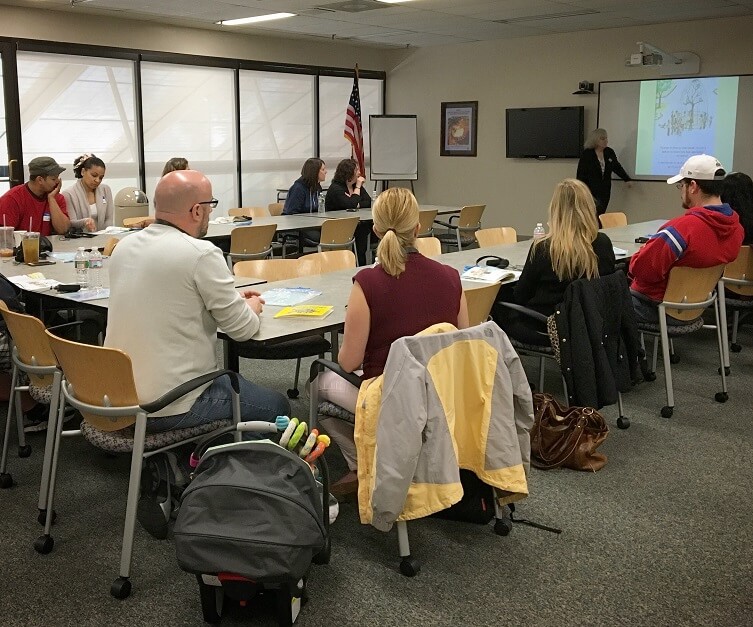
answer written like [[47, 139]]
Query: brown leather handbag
[[566, 436]]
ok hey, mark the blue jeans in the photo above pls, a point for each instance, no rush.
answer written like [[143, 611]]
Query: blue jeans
[[215, 403], [647, 310]]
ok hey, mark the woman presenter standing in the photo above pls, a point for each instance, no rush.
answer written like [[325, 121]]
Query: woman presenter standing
[[595, 168]]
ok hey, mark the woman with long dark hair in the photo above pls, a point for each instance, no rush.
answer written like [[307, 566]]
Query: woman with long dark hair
[[303, 195]]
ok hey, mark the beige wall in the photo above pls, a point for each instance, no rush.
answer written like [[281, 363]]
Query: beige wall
[[74, 27], [541, 71]]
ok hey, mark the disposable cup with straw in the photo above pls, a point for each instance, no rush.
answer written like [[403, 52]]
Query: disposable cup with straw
[[6, 240]]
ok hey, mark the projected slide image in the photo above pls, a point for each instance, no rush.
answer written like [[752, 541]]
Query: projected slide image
[[655, 125], [678, 118]]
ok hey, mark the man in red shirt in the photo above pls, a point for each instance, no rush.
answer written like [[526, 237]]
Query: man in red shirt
[[707, 234], [37, 206]]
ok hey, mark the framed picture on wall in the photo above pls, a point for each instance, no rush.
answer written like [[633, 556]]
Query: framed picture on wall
[[459, 129]]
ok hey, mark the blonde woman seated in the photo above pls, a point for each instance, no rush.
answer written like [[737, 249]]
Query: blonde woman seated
[[89, 202], [401, 295], [573, 249]]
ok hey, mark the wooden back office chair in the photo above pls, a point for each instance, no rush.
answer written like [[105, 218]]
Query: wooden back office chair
[[277, 270], [689, 292], [428, 246], [338, 234], [426, 219], [98, 381], [275, 208], [496, 235], [736, 286], [251, 242], [31, 355], [461, 233], [479, 301], [138, 222], [250, 212], [612, 218]]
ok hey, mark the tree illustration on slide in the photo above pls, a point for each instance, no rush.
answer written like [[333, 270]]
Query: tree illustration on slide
[[692, 97], [663, 89]]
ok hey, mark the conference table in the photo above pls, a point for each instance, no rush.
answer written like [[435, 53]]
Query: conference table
[[334, 287]]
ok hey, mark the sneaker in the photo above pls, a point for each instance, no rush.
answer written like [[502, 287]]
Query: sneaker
[[35, 419], [346, 485]]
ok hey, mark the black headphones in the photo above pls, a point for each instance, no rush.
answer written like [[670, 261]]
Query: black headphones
[[494, 260]]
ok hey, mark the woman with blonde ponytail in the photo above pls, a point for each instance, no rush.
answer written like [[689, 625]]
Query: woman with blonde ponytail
[[401, 295], [573, 249]]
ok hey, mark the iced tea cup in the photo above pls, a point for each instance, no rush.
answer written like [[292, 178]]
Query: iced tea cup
[[30, 245], [6, 242]]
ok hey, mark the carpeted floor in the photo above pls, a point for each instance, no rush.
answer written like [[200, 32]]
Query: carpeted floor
[[663, 535]]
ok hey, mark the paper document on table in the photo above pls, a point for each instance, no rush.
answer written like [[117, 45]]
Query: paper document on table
[[112, 230], [305, 311], [64, 257], [87, 294], [34, 282], [287, 296], [619, 252], [488, 274]]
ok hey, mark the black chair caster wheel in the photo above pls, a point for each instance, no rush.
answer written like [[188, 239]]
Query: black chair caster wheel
[[674, 359], [24, 451], [721, 397], [209, 597], [293, 393], [121, 588], [6, 480], [410, 566], [503, 526], [735, 348], [322, 557], [42, 516], [667, 411], [43, 544], [650, 376], [726, 371], [623, 422]]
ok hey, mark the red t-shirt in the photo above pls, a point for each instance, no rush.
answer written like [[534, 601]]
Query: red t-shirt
[[21, 208], [427, 293]]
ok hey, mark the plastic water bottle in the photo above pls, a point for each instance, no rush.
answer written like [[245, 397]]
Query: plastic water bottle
[[321, 207], [539, 231], [95, 269], [81, 263]]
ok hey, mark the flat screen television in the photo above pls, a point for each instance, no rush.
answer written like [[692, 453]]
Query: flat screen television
[[545, 132]]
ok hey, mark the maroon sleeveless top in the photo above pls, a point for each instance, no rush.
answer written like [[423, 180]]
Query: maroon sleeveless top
[[427, 293]]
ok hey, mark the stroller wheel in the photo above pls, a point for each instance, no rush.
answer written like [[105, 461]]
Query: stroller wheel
[[209, 595], [285, 605]]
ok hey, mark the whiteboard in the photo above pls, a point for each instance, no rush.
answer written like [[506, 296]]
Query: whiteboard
[[394, 147]]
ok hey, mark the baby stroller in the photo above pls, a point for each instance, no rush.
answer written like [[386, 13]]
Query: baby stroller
[[252, 521]]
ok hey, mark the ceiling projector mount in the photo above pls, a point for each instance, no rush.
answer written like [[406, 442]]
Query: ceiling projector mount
[[669, 63]]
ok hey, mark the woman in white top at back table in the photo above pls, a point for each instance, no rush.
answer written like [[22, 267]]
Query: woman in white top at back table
[[90, 204]]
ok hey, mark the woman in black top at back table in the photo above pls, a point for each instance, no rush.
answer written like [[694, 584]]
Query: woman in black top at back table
[[346, 192], [737, 192], [595, 168], [573, 249]]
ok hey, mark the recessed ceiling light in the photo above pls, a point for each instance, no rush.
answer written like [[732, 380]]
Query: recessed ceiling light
[[393, 1], [253, 20]]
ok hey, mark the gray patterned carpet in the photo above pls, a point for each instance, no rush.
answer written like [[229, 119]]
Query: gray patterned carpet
[[662, 536]]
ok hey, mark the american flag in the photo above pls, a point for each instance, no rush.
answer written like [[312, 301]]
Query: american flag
[[353, 130]]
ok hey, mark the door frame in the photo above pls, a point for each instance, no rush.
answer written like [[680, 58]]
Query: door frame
[[12, 113]]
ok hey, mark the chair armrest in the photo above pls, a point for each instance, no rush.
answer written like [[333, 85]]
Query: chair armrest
[[446, 224], [184, 388], [65, 325], [524, 310], [319, 364]]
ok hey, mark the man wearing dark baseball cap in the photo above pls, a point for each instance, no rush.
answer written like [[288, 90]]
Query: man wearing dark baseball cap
[[38, 205], [707, 234]]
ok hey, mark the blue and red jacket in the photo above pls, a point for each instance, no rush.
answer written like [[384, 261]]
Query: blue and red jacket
[[700, 238]]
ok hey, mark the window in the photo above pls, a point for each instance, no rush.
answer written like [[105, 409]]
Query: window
[[189, 112], [277, 132], [72, 105]]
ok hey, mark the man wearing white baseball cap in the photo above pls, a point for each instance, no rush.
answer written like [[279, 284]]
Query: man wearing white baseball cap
[[707, 234]]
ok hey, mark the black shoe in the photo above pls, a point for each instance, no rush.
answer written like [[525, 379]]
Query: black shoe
[[155, 503], [151, 517]]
